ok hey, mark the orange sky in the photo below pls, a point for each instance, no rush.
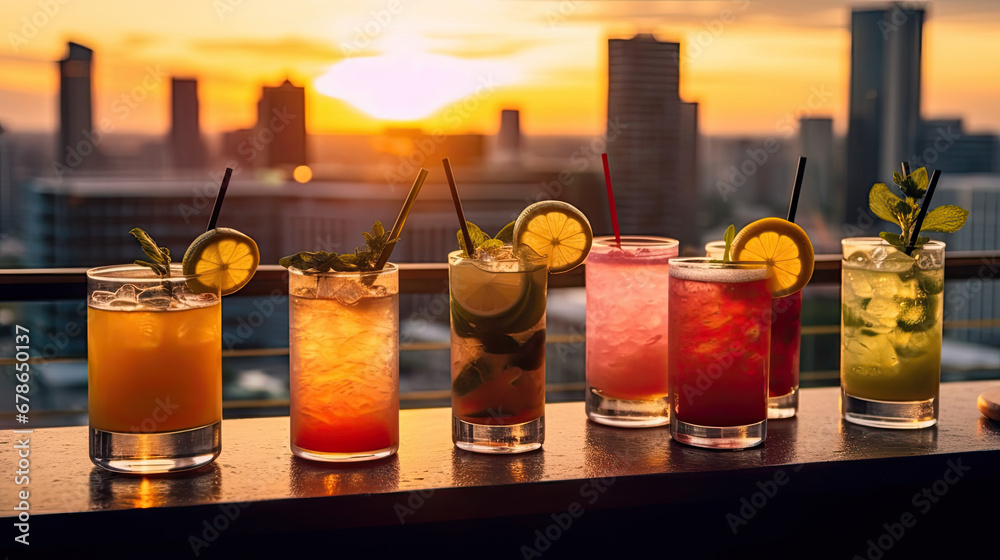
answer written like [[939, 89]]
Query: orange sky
[[452, 64]]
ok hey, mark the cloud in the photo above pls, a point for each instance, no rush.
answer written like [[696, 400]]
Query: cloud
[[476, 45], [287, 48]]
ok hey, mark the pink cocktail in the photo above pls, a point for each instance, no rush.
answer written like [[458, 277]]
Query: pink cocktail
[[627, 330]]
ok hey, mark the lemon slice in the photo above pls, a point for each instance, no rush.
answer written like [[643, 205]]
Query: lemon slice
[[785, 248], [556, 229], [221, 260], [486, 294]]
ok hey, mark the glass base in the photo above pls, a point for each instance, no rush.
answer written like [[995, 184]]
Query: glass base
[[484, 438], [900, 415], [718, 437], [344, 457], [149, 453], [784, 406], [623, 413]]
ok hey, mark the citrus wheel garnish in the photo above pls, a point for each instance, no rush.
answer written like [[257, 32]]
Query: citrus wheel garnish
[[485, 295], [784, 246], [221, 260], [556, 229]]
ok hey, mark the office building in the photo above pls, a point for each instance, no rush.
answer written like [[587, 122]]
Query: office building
[[77, 146], [944, 144], [509, 137], [186, 148], [644, 137], [281, 126], [884, 106], [816, 144]]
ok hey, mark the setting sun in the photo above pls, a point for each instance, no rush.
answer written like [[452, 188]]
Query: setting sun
[[399, 87]]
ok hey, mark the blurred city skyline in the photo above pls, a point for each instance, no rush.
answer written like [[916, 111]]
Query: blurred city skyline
[[753, 67]]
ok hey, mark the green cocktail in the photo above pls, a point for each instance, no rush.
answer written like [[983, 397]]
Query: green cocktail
[[890, 360]]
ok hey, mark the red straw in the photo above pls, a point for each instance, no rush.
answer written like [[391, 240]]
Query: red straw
[[611, 201]]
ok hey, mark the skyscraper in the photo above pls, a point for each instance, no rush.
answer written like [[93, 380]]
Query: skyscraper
[[816, 144], [281, 125], [77, 145], [186, 149], [884, 112], [644, 140], [509, 137]]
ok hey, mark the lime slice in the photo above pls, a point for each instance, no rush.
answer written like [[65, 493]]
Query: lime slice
[[784, 246], [556, 229], [221, 260], [486, 295]]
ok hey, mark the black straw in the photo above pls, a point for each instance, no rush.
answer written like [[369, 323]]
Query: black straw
[[906, 169], [469, 248], [218, 199], [800, 173], [923, 210]]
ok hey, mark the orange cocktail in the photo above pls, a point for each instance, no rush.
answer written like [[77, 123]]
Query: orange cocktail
[[154, 369], [344, 364]]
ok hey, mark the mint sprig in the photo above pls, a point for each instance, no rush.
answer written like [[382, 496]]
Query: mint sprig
[[728, 237], [362, 260], [904, 211], [160, 256], [482, 240]]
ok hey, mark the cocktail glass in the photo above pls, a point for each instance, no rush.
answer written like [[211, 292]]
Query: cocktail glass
[[890, 356], [154, 370], [498, 352], [719, 333], [627, 331], [344, 364], [786, 345]]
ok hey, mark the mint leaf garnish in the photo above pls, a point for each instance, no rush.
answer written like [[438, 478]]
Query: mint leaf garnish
[[728, 237], [160, 256], [946, 219], [362, 260], [506, 235], [904, 212]]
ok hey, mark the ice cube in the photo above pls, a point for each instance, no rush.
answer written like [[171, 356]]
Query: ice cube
[[101, 298], [349, 293], [879, 254], [859, 259], [378, 291], [128, 292], [157, 297], [929, 261]]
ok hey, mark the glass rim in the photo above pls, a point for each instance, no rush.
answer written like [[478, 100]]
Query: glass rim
[[116, 273], [637, 241], [879, 242], [701, 262], [389, 268], [458, 255]]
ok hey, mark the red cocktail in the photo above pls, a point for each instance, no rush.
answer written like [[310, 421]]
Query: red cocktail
[[719, 333]]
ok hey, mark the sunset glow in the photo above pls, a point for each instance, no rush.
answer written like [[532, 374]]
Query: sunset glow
[[750, 65]]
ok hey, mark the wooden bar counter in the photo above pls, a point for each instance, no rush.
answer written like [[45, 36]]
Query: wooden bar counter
[[817, 488]]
